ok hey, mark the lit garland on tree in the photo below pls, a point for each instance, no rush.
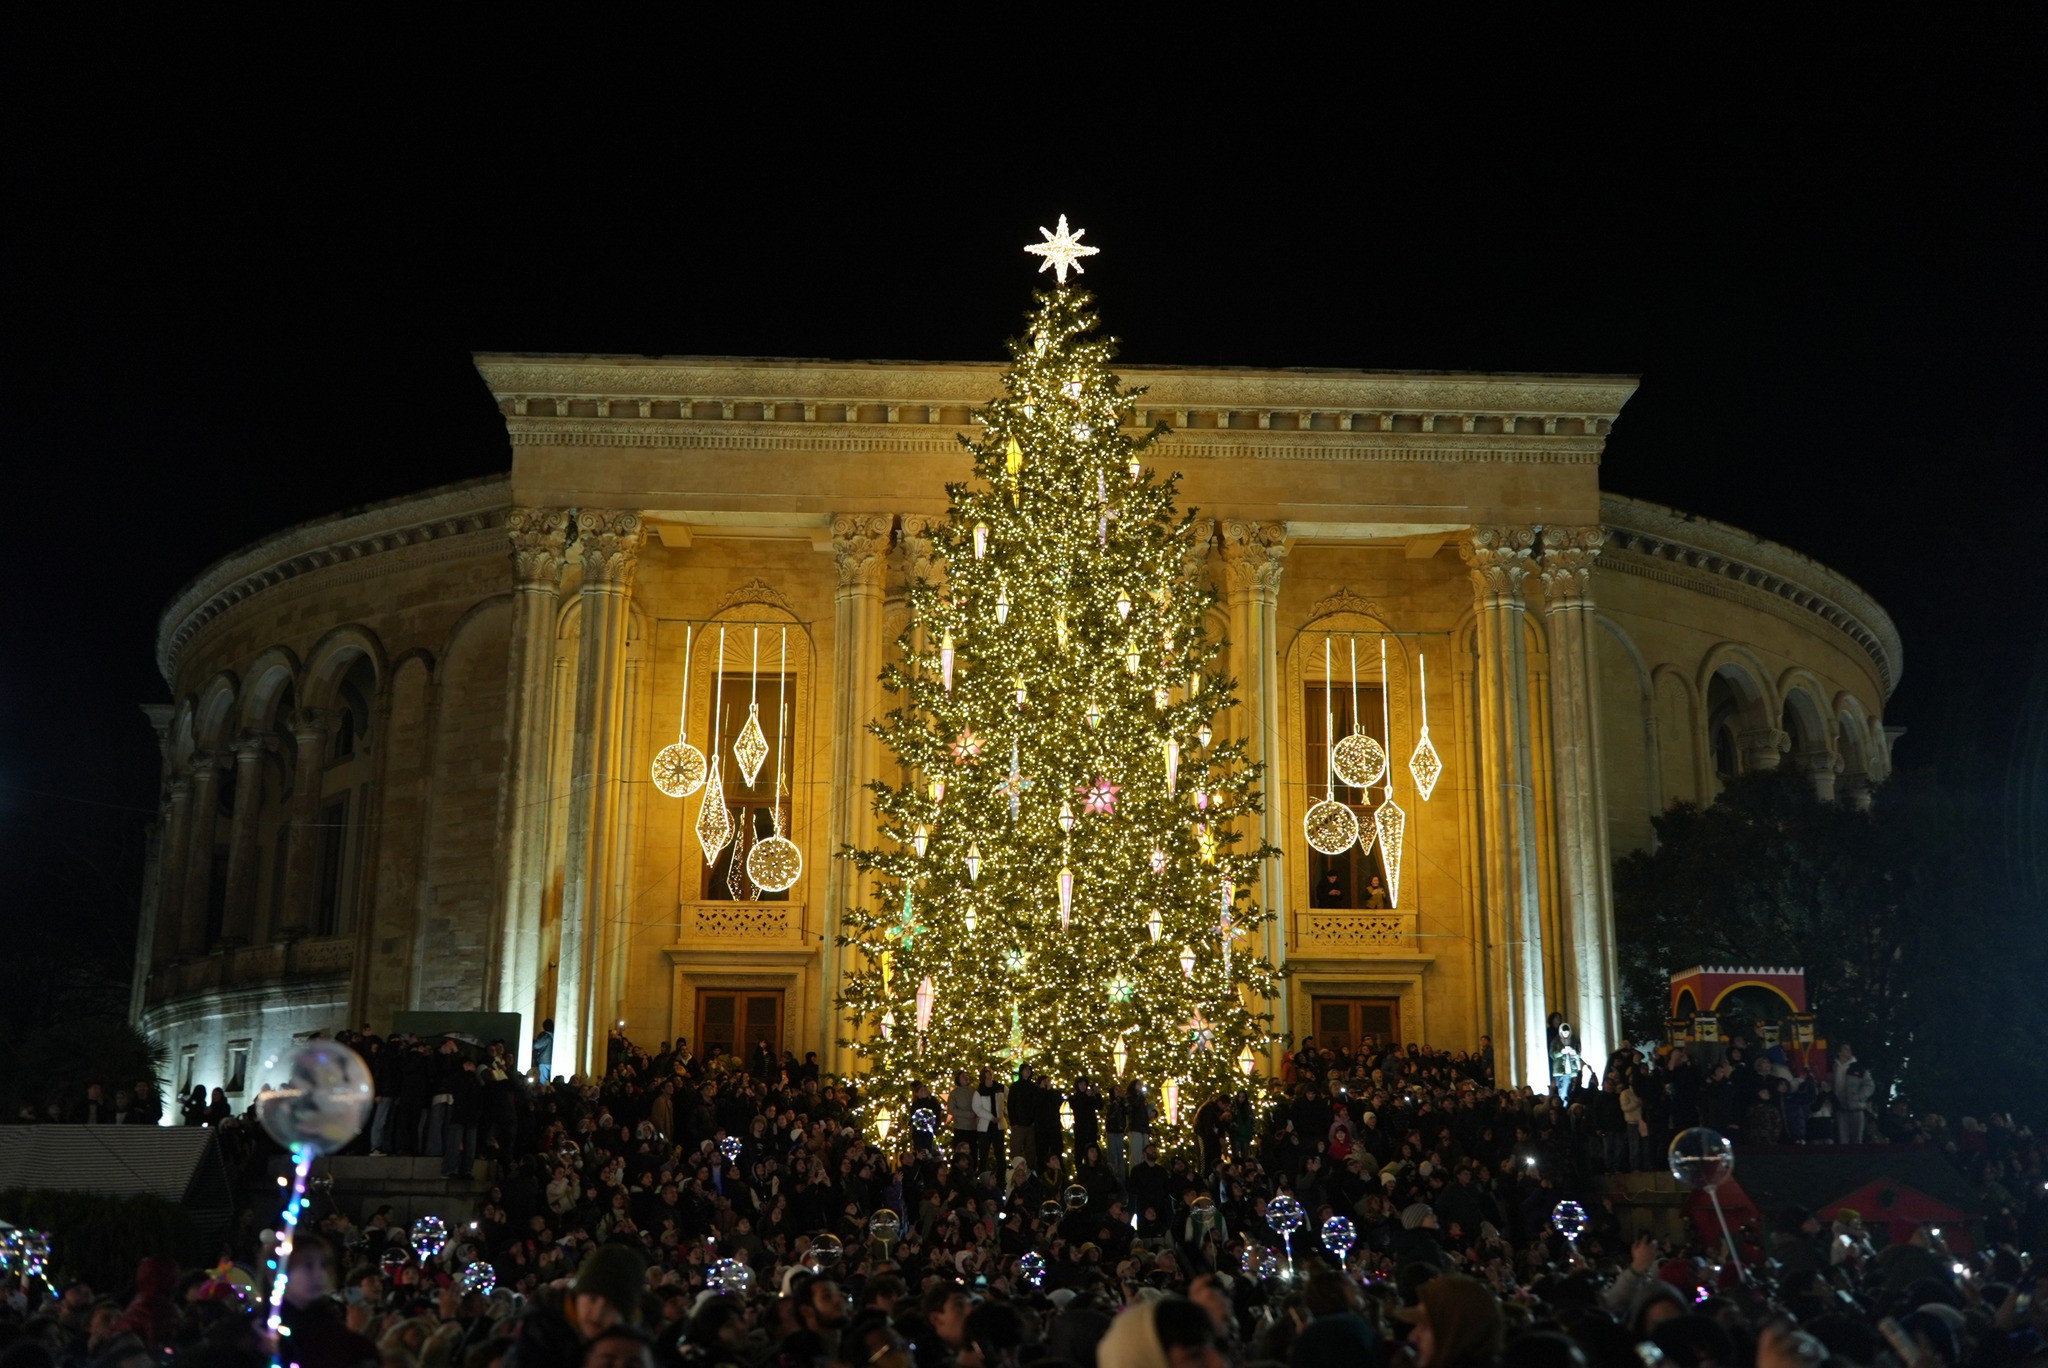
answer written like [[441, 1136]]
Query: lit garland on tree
[[1066, 881]]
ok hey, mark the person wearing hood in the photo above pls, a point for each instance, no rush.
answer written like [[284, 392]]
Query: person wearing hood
[[152, 1316], [1455, 1323], [558, 1328]]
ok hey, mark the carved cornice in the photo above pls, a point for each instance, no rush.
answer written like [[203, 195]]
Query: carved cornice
[[538, 536], [1498, 558], [610, 540], [1253, 553], [1659, 543], [860, 546], [396, 525], [1566, 565]]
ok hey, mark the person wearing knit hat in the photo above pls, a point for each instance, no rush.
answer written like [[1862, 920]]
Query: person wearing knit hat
[[1165, 1332], [561, 1326], [1415, 1215], [1456, 1324]]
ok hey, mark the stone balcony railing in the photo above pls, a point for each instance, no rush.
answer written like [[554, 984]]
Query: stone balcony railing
[[743, 923], [253, 966], [1348, 932]]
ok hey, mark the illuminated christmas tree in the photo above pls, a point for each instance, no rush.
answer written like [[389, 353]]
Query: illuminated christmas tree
[[1064, 878]]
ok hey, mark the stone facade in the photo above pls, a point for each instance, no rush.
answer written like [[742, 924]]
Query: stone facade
[[407, 764]]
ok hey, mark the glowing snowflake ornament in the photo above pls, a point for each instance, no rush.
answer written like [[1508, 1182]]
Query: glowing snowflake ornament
[[1061, 251]]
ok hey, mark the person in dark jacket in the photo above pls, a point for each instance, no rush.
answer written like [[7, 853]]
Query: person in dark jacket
[[465, 1119], [557, 1329], [320, 1337], [415, 1094]]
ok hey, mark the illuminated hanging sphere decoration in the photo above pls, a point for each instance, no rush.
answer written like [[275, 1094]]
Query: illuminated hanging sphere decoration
[[1568, 1219], [1050, 1211], [1203, 1212], [826, 1251], [480, 1278], [1285, 1215], [679, 770], [884, 1226], [1032, 1266], [395, 1258], [730, 1277], [1331, 827], [323, 1102], [429, 1237], [1359, 760], [1339, 1236], [1076, 1196], [1701, 1158], [730, 1148], [775, 864]]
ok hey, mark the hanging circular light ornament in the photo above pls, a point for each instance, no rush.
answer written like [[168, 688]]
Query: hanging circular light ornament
[[1330, 827], [776, 863], [1359, 760], [679, 769]]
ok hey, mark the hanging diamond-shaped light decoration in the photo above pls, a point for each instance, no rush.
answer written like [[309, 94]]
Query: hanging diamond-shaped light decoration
[[1247, 1061], [714, 823], [1187, 961], [1158, 861], [1155, 926], [970, 919], [752, 747], [1118, 1056], [1131, 658], [1067, 819], [1066, 896], [937, 791], [1391, 822], [927, 997], [1123, 604], [1330, 826], [1424, 765], [1002, 606], [1205, 734], [921, 839], [973, 863], [1092, 714], [1226, 894], [1170, 1095]]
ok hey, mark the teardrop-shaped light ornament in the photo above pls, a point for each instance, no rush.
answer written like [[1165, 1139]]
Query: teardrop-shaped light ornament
[[1155, 926], [714, 823], [1425, 766], [921, 840], [1066, 896], [927, 998], [1002, 605], [1123, 604], [980, 541], [1172, 749], [751, 749], [1392, 822], [1119, 1056]]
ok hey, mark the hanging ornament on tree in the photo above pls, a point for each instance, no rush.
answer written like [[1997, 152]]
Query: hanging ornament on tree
[[946, 661], [1002, 606], [714, 823], [973, 862], [1359, 760], [969, 919], [776, 863], [1092, 714], [967, 747], [752, 747], [1119, 1056], [1068, 821], [927, 997], [1205, 734], [1172, 749], [1158, 861], [980, 540], [1331, 827], [1123, 604], [1098, 799], [1155, 925], [679, 769], [1187, 961], [1066, 896], [1424, 766]]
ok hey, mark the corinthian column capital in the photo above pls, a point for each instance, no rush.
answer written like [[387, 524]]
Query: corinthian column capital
[[921, 560], [1498, 558], [860, 548], [1252, 555], [611, 539], [539, 537], [1567, 565]]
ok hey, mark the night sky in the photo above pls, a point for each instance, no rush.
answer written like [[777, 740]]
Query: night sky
[[238, 311]]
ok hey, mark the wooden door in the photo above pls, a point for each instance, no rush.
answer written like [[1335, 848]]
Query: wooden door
[[1350, 1022], [733, 1021]]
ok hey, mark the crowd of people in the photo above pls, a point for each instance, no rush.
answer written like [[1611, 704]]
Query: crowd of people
[[677, 1212]]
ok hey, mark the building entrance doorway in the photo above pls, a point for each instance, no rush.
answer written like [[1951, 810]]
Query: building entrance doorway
[[1354, 1021], [734, 1021]]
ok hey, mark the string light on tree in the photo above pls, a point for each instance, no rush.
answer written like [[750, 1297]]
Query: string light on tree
[[1081, 649]]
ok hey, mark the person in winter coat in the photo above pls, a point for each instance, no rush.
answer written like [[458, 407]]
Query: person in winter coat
[[1852, 1102], [960, 1113], [152, 1316], [320, 1337], [465, 1120], [559, 1326]]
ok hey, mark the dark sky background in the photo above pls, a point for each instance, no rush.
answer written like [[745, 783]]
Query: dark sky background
[[240, 302]]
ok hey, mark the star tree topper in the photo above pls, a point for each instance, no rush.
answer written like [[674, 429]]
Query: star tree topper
[[1061, 250]]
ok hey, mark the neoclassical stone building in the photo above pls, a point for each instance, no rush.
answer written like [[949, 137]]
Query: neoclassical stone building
[[407, 764]]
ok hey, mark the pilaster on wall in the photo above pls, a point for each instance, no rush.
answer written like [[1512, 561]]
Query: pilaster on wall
[[610, 542], [539, 537], [860, 550], [201, 818], [1589, 1000], [1254, 555], [309, 728], [1499, 561]]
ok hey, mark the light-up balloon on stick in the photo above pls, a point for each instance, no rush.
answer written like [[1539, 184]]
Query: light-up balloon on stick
[[1568, 1219], [1702, 1159], [321, 1106]]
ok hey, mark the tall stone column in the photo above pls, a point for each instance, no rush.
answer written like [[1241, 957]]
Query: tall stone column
[[610, 541], [309, 727], [1253, 555], [238, 922], [1582, 855], [1498, 558], [539, 537], [177, 846], [860, 550], [1819, 768], [206, 772]]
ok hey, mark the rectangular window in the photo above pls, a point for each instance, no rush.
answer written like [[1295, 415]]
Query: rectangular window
[[1355, 878], [188, 1065], [1354, 1023], [238, 1067], [751, 806], [734, 1021]]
